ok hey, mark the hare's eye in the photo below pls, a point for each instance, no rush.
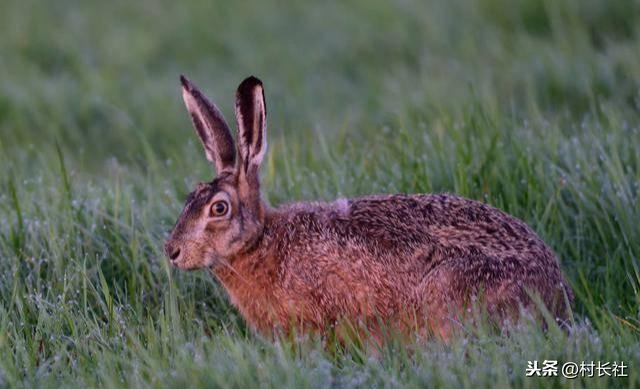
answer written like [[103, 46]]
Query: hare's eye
[[219, 208]]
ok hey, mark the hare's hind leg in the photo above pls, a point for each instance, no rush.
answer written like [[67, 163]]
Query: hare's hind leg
[[468, 290], [440, 308]]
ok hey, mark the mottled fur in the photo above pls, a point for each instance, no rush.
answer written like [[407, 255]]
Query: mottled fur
[[417, 263]]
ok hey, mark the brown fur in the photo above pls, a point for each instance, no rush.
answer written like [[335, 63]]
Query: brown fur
[[416, 263]]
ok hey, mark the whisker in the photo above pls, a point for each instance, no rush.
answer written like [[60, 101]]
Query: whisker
[[226, 263]]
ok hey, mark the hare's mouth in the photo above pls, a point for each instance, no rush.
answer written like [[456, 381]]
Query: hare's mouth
[[177, 263], [184, 263]]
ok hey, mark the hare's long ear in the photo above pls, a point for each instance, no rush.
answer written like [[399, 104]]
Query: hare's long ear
[[211, 127], [251, 114]]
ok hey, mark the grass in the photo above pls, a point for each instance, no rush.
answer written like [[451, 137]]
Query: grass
[[530, 105]]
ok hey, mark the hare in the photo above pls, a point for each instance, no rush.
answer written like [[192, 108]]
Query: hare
[[416, 263]]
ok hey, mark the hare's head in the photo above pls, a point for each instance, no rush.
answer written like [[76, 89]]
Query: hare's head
[[224, 217]]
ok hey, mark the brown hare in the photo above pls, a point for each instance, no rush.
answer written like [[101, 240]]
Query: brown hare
[[416, 263]]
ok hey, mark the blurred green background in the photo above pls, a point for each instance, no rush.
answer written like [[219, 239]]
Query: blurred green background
[[530, 105]]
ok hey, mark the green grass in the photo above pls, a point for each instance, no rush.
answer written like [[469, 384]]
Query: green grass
[[530, 105]]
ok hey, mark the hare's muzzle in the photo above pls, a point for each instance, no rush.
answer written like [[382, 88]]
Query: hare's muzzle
[[172, 251]]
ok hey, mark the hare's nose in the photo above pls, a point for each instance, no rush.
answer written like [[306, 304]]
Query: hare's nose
[[175, 254], [172, 250]]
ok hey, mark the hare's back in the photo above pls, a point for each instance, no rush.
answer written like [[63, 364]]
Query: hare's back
[[440, 220]]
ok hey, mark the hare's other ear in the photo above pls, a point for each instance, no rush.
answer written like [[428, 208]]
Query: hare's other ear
[[210, 126], [251, 114]]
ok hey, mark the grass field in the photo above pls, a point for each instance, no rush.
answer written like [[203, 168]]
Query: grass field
[[530, 105]]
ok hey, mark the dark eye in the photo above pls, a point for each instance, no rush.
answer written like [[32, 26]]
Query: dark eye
[[219, 208]]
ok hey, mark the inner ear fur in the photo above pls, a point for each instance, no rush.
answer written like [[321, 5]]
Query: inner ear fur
[[251, 115], [211, 127]]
